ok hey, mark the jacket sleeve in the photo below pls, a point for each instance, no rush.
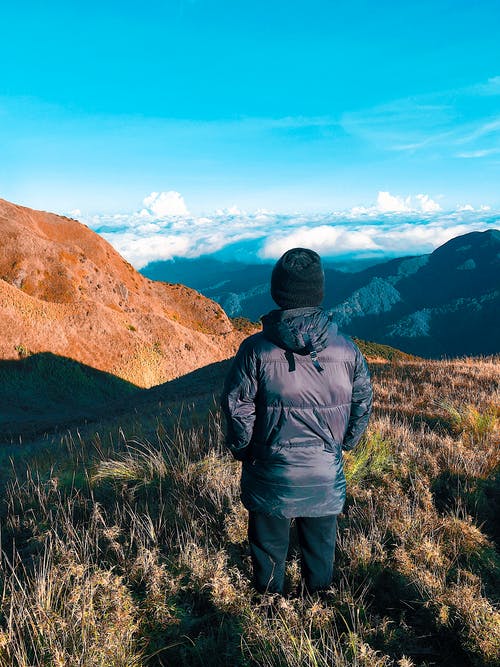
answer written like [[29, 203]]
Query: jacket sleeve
[[238, 400], [361, 403]]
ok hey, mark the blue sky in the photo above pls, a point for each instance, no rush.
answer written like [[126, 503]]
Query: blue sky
[[293, 106]]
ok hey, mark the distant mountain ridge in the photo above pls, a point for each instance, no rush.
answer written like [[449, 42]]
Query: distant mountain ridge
[[446, 303]]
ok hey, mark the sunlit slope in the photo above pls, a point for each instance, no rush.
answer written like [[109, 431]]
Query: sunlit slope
[[65, 290]]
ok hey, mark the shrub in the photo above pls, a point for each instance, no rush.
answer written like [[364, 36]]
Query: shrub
[[371, 458], [140, 464], [475, 426]]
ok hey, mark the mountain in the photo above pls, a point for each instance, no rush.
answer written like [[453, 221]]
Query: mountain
[[64, 290], [445, 303]]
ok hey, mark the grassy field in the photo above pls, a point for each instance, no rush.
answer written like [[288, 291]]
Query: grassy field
[[124, 543]]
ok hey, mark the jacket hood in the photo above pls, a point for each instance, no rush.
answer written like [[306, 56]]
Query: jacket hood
[[300, 330]]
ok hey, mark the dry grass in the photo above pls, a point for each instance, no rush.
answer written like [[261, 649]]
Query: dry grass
[[124, 551]]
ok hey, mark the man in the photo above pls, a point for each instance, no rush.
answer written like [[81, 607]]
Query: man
[[297, 394]]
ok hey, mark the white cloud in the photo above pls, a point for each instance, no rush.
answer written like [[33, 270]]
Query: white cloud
[[483, 152], [483, 129], [325, 239], [148, 228], [387, 203], [428, 205], [232, 210], [421, 203], [162, 204], [469, 207], [140, 250], [424, 237], [357, 211]]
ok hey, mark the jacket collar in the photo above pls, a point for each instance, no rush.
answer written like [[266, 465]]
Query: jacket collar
[[301, 330]]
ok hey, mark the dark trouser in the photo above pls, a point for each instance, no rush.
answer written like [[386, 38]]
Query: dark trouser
[[269, 538]]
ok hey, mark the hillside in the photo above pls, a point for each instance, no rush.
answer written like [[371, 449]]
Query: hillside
[[44, 393], [125, 542], [65, 290], [446, 303]]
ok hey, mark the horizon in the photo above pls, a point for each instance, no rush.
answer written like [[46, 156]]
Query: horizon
[[392, 227]]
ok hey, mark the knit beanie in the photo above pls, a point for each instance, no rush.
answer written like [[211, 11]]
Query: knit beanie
[[298, 280]]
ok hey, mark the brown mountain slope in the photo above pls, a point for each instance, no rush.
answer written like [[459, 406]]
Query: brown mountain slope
[[65, 290]]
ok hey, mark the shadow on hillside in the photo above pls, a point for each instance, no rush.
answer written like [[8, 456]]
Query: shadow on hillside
[[44, 393], [204, 381]]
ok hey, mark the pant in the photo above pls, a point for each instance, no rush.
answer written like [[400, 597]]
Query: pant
[[269, 539]]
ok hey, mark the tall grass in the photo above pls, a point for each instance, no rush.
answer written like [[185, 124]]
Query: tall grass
[[125, 550], [371, 459]]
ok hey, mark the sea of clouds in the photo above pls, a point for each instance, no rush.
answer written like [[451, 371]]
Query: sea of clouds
[[394, 225]]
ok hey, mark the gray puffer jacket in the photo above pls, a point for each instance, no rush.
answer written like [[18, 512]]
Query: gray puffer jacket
[[296, 395]]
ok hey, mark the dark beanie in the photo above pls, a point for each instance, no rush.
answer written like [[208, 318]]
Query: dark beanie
[[298, 280]]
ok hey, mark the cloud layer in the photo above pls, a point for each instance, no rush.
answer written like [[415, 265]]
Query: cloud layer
[[394, 225]]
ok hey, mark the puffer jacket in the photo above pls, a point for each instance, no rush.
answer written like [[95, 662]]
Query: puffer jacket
[[296, 395]]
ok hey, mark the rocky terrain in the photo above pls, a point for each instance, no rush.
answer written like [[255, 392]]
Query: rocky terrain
[[64, 290]]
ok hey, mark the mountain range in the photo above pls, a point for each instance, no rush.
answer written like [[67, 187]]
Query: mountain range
[[445, 303]]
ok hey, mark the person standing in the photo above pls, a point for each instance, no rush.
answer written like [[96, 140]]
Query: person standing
[[296, 395]]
